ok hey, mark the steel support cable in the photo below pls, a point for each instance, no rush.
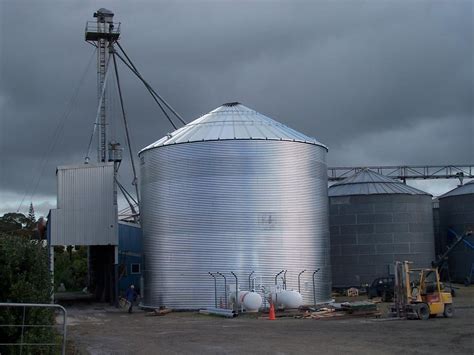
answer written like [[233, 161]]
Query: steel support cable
[[56, 134], [129, 143], [149, 90], [148, 85], [96, 123], [137, 73], [125, 194]]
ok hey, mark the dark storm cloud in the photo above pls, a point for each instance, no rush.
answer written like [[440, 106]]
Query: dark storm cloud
[[379, 82]]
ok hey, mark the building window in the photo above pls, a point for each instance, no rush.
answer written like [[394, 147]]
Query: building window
[[135, 269]]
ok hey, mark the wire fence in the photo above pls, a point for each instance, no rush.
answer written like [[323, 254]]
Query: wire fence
[[29, 327]]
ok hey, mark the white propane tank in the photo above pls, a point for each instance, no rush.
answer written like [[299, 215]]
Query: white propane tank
[[288, 299], [251, 301]]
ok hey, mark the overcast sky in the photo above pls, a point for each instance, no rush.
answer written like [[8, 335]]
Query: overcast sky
[[378, 82]]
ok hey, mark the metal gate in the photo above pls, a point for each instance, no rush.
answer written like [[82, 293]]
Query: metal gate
[[25, 326]]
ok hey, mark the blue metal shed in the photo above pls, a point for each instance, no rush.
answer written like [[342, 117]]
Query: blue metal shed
[[130, 255]]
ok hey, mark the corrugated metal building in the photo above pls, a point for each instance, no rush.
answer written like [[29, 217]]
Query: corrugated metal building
[[86, 213], [456, 209], [235, 191], [375, 221]]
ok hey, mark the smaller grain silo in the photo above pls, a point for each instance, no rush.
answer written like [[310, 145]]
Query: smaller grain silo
[[375, 221], [456, 209]]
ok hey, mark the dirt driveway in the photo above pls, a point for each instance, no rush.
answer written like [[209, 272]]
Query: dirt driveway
[[99, 330]]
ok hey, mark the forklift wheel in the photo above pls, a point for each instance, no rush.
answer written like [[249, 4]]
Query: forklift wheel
[[453, 293], [448, 310], [423, 311]]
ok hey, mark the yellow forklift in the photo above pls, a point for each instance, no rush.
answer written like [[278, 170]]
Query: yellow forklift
[[419, 294]]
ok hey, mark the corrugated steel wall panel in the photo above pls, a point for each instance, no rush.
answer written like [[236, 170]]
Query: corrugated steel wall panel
[[234, 205], [370, 232], [86, 213]]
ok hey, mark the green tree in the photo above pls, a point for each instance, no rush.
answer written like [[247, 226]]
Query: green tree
[[25, 278], [12, 222], [18, 224], [31, 214]]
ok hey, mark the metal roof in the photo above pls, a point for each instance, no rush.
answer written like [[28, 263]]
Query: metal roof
[[368, 182], [465, 189], [233, 121]]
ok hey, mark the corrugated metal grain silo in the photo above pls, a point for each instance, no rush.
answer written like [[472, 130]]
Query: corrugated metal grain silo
[[235, 191], [375, 221], [456, 210]]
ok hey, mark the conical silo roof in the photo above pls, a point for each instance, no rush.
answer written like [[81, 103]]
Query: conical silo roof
[[465, 189], [233, 121], [368, 182]]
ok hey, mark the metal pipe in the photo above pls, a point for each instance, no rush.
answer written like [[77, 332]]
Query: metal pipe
[[236, 303], [250, 283], [299, 279], [225, 287], [284, 280], [219, 312], [215, 288], [276, 283], [314, 287], [127, 134], [264, 296], [276, 276], [148, 86]]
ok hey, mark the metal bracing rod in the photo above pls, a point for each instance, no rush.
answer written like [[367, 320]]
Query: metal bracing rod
[[127, 196], [236, 292], [148, 85], [250, 283], [314, 286], [299, 279], [96, 123], [149, 88], [126, 192], [215, 288], [225, 287], [284, 279], [129, 143], [124, 195], [152, 92]]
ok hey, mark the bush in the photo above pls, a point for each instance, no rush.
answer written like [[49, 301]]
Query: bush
[[70, 267], [25, 278]]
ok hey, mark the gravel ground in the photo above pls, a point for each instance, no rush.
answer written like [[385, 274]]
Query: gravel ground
[[104, 330]]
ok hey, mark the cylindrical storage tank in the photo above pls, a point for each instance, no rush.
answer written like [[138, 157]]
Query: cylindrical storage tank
[[456, 210], [375, 221], [233, 191]]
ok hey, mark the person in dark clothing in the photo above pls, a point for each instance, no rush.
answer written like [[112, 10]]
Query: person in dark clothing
[[131, 296]]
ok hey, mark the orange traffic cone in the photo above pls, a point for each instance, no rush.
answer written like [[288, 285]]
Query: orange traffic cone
[[271, 314]]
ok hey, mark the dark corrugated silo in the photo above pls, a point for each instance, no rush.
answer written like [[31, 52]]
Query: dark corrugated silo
[[456, 209], [375, 221]]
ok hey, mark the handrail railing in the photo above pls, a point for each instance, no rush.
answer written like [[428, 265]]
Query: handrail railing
[[93, 26]]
